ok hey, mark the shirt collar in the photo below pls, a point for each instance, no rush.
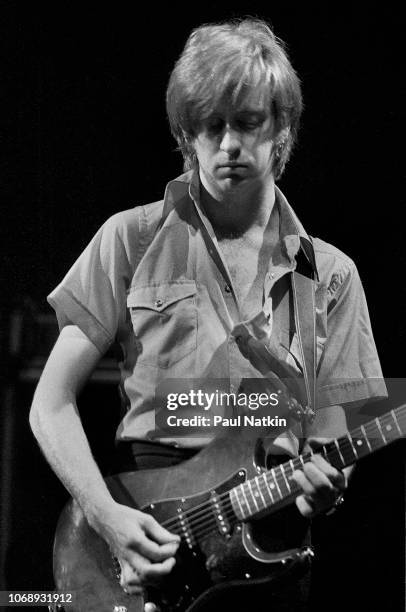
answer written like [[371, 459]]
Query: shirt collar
[[292, 233]]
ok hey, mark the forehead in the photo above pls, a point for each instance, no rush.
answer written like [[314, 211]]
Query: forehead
[[248, 100]]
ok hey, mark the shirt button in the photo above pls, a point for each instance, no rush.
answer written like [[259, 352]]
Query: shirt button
[[227, 289], [158, 303]]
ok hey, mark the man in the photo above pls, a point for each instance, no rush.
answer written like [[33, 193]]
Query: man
[[200, 285]]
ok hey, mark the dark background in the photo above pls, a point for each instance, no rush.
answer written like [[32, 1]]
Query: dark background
[[85, 135]]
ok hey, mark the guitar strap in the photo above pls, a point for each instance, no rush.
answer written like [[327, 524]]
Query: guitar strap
[[305, 315]]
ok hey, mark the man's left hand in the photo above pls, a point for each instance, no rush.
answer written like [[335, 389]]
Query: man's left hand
[[322, 484]]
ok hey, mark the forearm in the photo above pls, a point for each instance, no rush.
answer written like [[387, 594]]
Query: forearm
[[140, 544], [56, 423], [58, 429]]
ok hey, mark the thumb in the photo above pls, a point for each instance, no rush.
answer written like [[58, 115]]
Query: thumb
[[317, 443]]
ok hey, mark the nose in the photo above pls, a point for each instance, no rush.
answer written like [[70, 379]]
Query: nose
[[230, 142]]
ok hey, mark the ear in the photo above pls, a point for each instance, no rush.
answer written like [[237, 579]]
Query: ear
[[282, 136]]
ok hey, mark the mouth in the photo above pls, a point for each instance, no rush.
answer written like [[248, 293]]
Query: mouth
[[231, 167]]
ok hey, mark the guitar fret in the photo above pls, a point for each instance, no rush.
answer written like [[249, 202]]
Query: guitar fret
[[375, 436], [234, 493], [339, 452], [390, 427], [246, 500], [352, 446], [366, 437], [286, 480], [259, 489], [334, 455], [293, 484], [396, 422], [347, 450], [252, 494], [380, 430], [277, 485], [274, 484], [361, 447], [255, 495], [268, 488]]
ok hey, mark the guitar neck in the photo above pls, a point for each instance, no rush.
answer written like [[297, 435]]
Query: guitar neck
[[274, 488]]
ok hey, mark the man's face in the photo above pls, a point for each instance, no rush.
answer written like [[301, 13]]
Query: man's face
[[234, 147]]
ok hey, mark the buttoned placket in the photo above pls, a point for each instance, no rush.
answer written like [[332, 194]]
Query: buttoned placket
[[228, 293], [273, 274]]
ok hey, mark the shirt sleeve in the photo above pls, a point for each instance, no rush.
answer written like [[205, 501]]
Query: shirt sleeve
[[93, 293], [349, 370]]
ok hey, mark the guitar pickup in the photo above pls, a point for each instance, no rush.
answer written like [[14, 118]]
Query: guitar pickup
[[185, 529], [223, 524]]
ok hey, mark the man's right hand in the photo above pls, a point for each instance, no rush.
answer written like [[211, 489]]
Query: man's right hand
[[144, 549]]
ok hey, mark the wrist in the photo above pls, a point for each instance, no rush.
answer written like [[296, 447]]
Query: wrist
[[99, 514]]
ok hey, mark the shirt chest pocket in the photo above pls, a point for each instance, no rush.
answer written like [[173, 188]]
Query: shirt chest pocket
[[164, 319]]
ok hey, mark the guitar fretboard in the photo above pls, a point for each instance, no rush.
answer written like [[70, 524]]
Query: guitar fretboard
[[276, 487]]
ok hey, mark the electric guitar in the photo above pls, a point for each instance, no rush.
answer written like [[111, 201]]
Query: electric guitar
[[236, 519]]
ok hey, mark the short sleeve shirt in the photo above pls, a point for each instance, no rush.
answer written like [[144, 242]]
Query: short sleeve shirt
[[153, 279]]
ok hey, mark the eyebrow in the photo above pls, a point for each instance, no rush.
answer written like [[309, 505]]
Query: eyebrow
[[252, 114], [242, 112]]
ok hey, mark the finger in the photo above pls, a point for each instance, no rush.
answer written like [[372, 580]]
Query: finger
[[130, 582], [153, 551], [129, 572], [317, 477], [336, 477], [319, 491], [151, 607], [133, 589], [155, 571], [141, 571], [305, 506], [159, 533], [304, 483]]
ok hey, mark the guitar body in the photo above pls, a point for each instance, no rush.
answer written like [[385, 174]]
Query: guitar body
[[217, 553]]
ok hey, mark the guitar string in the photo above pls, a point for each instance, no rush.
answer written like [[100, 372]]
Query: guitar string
[[206, 507], [387, 419], [200, 509], [195, 519], [210, 525], [199, 527], [344, 447], [205, 511], [210, 528]]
